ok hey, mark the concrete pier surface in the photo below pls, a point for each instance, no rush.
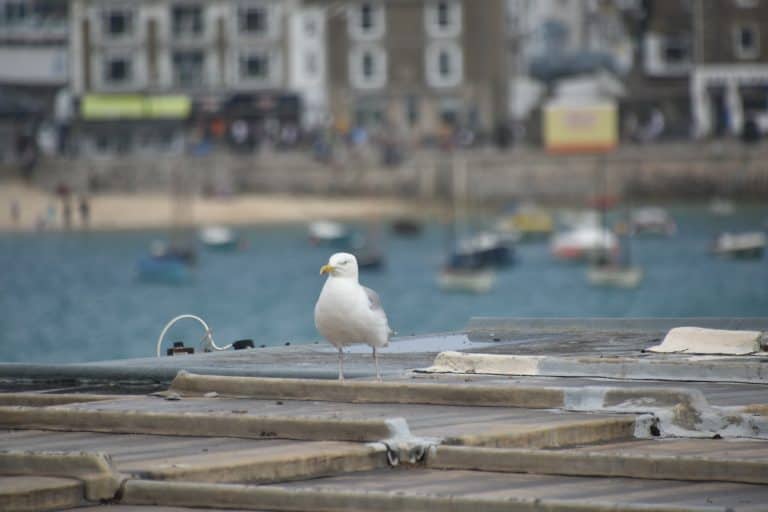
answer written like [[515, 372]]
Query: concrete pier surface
[[575, 415]]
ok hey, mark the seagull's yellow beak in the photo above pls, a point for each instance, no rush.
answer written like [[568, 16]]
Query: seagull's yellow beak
[[327, 269]]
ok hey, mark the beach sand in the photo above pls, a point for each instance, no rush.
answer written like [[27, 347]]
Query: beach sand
[[42, 210]]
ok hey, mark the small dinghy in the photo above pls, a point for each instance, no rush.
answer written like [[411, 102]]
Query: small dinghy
[[219, 238], [749, 245]]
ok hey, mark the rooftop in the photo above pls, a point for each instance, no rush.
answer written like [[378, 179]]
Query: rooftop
[[512, 414]]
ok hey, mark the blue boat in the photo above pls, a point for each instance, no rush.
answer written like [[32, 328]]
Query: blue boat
[[167, 265]]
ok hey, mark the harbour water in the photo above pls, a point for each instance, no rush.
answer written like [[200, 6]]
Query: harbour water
[[74, 297]]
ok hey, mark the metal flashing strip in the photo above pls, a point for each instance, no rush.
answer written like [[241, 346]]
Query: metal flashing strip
[[46, 399], [580, 463], [697, 369], [320, 499], [371, 392], [200, 424]]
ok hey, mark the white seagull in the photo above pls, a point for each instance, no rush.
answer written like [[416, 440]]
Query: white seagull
[[347, 312]]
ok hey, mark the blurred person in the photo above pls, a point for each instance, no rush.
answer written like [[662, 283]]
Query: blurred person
[[66, 213], [655, 126], [15, 212], [85, 211]]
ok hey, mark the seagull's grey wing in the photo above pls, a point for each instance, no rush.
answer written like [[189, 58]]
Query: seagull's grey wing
[[373, 299], [375, 304]]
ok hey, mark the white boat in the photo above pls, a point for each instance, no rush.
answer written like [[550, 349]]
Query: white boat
[[326, 232], [618, 276], [652, 220], [219, 237], [740, 245], [584, 243], [575, 219], [466, 280]]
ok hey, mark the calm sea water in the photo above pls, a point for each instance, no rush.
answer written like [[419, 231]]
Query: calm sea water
[[71, 297]]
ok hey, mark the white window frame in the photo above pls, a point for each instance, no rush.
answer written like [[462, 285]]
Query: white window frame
[[274, 70], [432, 64], [205, 29], [203, 77], [102, 15], [273, 13], [355, 21], [130, 83], [356, 63], [738, 49], [431, 18]]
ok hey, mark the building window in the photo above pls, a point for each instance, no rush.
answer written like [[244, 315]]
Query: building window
[[366, 20], [366, 17], [412, 110], [443, 18], [254, 66], [15, 12], [117, 23], [747, 41], [187, 20], [310, 63], [253, 19], [444, 65], [117, 70], [677, 51], [188, 68], [310, 27], [368, 67], [258, 66]]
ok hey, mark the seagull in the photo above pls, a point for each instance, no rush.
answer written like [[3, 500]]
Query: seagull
[[347, 312]]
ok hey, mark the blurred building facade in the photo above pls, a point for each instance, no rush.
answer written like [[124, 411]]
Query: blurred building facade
[[33, 76], [419, 69], [159, 75], [147, 72], [729, 78]]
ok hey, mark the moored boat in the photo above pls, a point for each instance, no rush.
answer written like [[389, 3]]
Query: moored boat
[[528, 222], [166, 264], [326, 232], [466, 279], [652, 220], [749, 245], [585, 243], [619, 276], [219, 237], [484, 249]]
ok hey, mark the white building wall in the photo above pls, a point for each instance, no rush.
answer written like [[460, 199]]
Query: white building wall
[[307, 67], [34, 65]]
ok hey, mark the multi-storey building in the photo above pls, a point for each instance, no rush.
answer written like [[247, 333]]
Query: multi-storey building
[[657, 85], [33, 72], [417, 67], [217, 61], [729, 78]]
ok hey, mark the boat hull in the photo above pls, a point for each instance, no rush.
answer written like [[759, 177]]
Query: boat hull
[[615, 277], [466, 280]]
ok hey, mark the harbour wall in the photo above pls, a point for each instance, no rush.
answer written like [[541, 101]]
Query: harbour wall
[[663, 171]]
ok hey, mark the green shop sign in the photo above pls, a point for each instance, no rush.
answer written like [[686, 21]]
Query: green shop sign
[[134, 106]]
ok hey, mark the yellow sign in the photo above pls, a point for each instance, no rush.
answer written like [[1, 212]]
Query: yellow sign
[[134, 106], [588, 128]]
